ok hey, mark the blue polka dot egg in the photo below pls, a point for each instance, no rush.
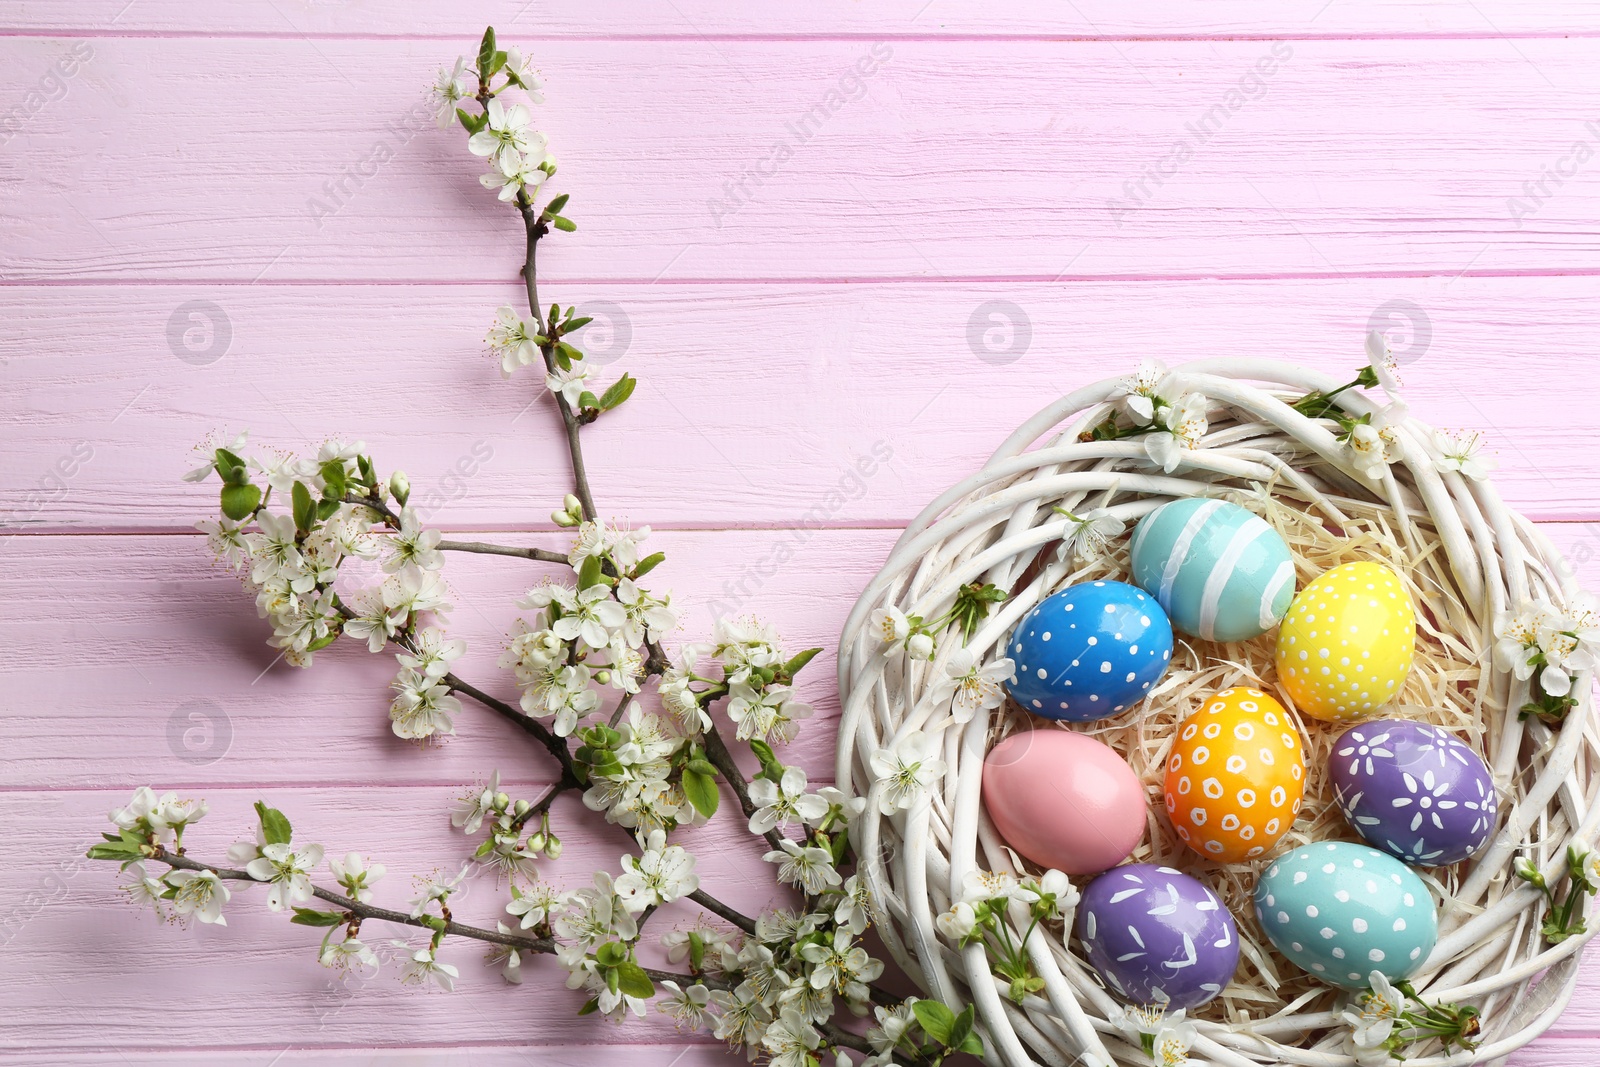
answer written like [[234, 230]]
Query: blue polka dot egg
[[1089, 651], [1219, 571], [1341, 911]]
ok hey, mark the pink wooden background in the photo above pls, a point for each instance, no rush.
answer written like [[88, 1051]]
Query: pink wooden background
[[164, 271]]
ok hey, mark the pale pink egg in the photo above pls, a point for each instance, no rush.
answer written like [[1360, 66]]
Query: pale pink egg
[[1064, 800]]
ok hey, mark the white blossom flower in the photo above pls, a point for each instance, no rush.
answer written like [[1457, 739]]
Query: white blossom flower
[[199, 893], [663, 874], [974, 688], [1372, 1014], [423, 966], [413, 546], [842, 807], [1182, 423], [474, 805], [436, 887], [782, 802], [144, 889], [804, 865], [514, 339], [906, 771], [507, 957], [893, 1024], [595, 914], [979, 885], [678, 944], [1373, 446], [790, 1040], [1056, 890], [1142, 390], [688, 1008], [1383, 363], [959, 922], [591, 540], [765, 714], [569, 383], [743, 644], [433, 653], [507, 134], [920, 646], [646, 617], [371, 620], [590, 614], [414, 591], [1088, 534], [422, 707], [449, 88], [1517, 638], [512, 174], [173, 814], [742, 1018], [350, 956], [518, 68], [356, 874], [891, 626], [1172, 1042], [1459, 452], [534, 906], [226, 540], [840, 965], [274, 552], [289, 872], [853, 912]]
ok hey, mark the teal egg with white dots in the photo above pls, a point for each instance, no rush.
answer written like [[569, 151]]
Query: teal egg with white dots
[[1220, 572], [1340, 911]]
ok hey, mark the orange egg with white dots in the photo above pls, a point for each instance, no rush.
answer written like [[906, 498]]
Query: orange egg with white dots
[[1235, 776]]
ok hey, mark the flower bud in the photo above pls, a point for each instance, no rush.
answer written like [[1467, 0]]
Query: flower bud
[[502, 801], [920, 646], [521, 808], [573, 505], [561, 518], [552, 847], [400, 486], [537, 843], [603, 677]]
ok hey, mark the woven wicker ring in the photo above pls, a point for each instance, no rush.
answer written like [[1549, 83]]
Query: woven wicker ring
[[1467, 560]]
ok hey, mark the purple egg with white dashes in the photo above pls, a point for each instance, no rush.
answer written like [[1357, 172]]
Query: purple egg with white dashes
[[1414, 790], [1158, 936]]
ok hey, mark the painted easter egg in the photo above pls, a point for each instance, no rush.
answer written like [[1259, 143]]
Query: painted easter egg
[[1156, 935], [1344, 649], [1235, 776], [1089, 651], [1221, 573], [1341, 911], [1064, 800], [1414, 790]]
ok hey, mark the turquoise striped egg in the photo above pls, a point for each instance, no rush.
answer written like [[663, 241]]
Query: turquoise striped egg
[[1219, 572], [1341, 911]]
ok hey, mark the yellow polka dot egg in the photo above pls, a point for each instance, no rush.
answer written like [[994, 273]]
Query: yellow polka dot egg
[[1345, 647], [1235, 776]]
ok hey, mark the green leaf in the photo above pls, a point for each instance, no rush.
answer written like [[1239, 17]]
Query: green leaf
[[556, 204], [961, 1029], [113, 850], [497, 61], [589, 572], [472, 123], [486, 50], [565, 225], [335, 476], [792, 668], [611, 954], [590, 1006], [763, 752], [972, 1045], [327, 508], [568, 351], [239, 502], [620, 391], [323, 642], [697, 952], [648, 564], [305, 513], [700, 766], [587, 401], [840, 845], [274, 825], [634, 982], [313, 917], [936, 1019], [701, 791], [573, 325], [369, 476]]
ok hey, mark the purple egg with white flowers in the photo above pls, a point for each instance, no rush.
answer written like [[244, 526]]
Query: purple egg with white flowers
[[1414, 790], [1158, 936]]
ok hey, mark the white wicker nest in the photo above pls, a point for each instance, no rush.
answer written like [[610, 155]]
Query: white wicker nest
[[1466, 557]]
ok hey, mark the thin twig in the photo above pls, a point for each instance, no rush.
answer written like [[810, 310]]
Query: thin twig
[[540, 555], [717, 752], [718, 908], [557, 746]]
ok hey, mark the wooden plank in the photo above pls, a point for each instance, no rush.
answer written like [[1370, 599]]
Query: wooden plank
[[610, 1047], [145, 663], [831, 405], [723, 18], [957, 159], [75, 942]]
